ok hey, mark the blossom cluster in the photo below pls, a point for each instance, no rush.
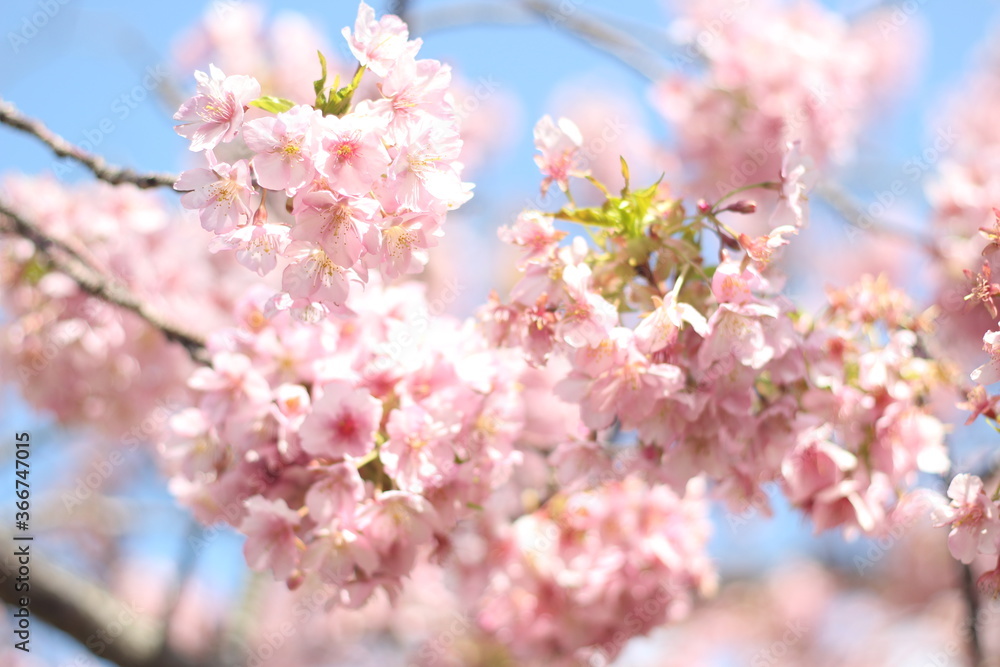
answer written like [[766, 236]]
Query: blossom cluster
[[711, 368], [559, 451], [974, 520], [366, 187], [769, 75], [567, 579], [343, 449], [72, 354]]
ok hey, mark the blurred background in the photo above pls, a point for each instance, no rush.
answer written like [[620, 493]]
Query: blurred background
[[109, 75]]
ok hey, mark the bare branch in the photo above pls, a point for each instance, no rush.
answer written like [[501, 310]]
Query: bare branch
[[68, 262], [975, 648], [595, 31], [399, 8], [601, 35], [102, 623], [853, 212], [9, 115], [462, 14]]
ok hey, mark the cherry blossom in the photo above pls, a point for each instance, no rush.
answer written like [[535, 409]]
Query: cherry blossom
[[215, 114], [974, 520], [223, 195], [559, 144]]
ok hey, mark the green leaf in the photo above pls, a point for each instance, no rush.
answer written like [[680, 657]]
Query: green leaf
[[585, 216], [272, 104], [338, 100], [34, 271], [625, 175], [320, 83]]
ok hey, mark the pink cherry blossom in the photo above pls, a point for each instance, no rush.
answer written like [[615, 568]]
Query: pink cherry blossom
[[426, 174], [271, 541], [401, 242], [660, 328], [314, 277], [419, 450], [379, 44], [223, 195], [588, 317], [342, 423], [559, 145], [989, 372], [257, 246], [336, 222], [335, 496], [351, 155], [215, 114], [417, 87], [797, 176], [532, 231], [335, 554], [283, 147], [974, 519]]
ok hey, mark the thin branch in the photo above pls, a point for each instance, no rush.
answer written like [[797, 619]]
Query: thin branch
[[598, 33], [853, 212], [111, 629], [968, 581], [9, 115], [975, 647], [462, 14], [185, 570], [98, 286], [595, 31], [399, 8]]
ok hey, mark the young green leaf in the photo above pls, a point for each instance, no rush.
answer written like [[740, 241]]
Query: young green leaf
[[272, 104]]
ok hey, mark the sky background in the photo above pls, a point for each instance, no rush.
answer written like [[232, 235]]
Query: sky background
[[74, 69]]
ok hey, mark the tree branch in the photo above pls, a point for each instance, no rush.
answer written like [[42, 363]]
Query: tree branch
[[853, 212], [459, 15], [595, 31], [106, 626], [10, 116], [96, 285], [976, 657], [599, 34], [399, 8]]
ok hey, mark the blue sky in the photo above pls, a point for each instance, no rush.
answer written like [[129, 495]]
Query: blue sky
[[74, 69], [91, 52]]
